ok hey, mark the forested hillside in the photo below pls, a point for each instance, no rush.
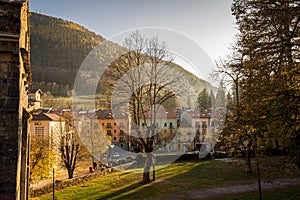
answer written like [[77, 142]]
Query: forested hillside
[[58, 47]]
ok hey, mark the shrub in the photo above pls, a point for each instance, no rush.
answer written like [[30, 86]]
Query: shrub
[[219, 154]]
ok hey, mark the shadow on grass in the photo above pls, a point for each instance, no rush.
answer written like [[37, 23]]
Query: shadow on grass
[[169, 179], [180, 178], [121, 191]]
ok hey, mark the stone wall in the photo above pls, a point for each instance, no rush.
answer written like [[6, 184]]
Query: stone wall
[[14, 80]]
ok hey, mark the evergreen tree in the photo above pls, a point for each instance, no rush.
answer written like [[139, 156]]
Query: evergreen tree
[[220, 99], [203, 99], [229, 102]]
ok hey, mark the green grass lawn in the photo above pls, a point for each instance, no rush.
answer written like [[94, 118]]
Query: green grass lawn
[[172, 179]]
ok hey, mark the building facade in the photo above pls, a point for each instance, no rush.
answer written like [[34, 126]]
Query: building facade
[[48, 128], [115, 127], [35, 98], [14, 80]]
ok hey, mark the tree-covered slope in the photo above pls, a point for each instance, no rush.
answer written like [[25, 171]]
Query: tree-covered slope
[[58, 47]]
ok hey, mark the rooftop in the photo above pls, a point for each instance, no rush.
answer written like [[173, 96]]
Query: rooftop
[[47, 117]]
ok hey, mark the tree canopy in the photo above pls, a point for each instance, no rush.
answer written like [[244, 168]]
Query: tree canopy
[[268, 74]]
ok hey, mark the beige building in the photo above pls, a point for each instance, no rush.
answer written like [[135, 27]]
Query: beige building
[[185, 137], [35, 98], [48, 128], [201, 123]]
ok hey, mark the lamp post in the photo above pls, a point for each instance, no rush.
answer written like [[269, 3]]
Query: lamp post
[[53, 182]]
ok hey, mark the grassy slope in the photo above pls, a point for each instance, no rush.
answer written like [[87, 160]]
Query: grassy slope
[[175, 178]]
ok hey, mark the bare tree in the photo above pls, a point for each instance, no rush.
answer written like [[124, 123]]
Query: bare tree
[[229, 72], [69, 147], [145, 81]]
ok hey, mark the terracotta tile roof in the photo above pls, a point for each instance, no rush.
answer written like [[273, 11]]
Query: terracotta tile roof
[[47, 117]]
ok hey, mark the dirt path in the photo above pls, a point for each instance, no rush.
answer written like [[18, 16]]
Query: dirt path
[[234, 189]]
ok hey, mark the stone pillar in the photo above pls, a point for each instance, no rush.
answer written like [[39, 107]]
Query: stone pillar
[[14, 80]]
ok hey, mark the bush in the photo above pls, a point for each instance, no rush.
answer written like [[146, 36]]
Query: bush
[[188, 157], [219, 154]]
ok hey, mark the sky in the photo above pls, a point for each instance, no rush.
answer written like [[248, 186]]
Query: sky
[[205, 23]]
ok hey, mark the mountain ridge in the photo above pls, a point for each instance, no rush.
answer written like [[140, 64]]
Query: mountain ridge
[[58, 48]]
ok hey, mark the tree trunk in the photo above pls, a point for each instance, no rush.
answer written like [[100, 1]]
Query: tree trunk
[[146, 174], [70, 173], [298, 151], [248, 161], [248, 158]]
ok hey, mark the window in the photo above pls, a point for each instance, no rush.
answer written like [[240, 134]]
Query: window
[[165, 124], [108, 132], [197, 125], [39, 132], [122, 139], [121, 132], [109, 125], [115, 131], [115, 138], [171, 125], [102, 124]]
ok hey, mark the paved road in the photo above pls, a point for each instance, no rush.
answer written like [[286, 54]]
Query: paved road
[[234, 189]]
